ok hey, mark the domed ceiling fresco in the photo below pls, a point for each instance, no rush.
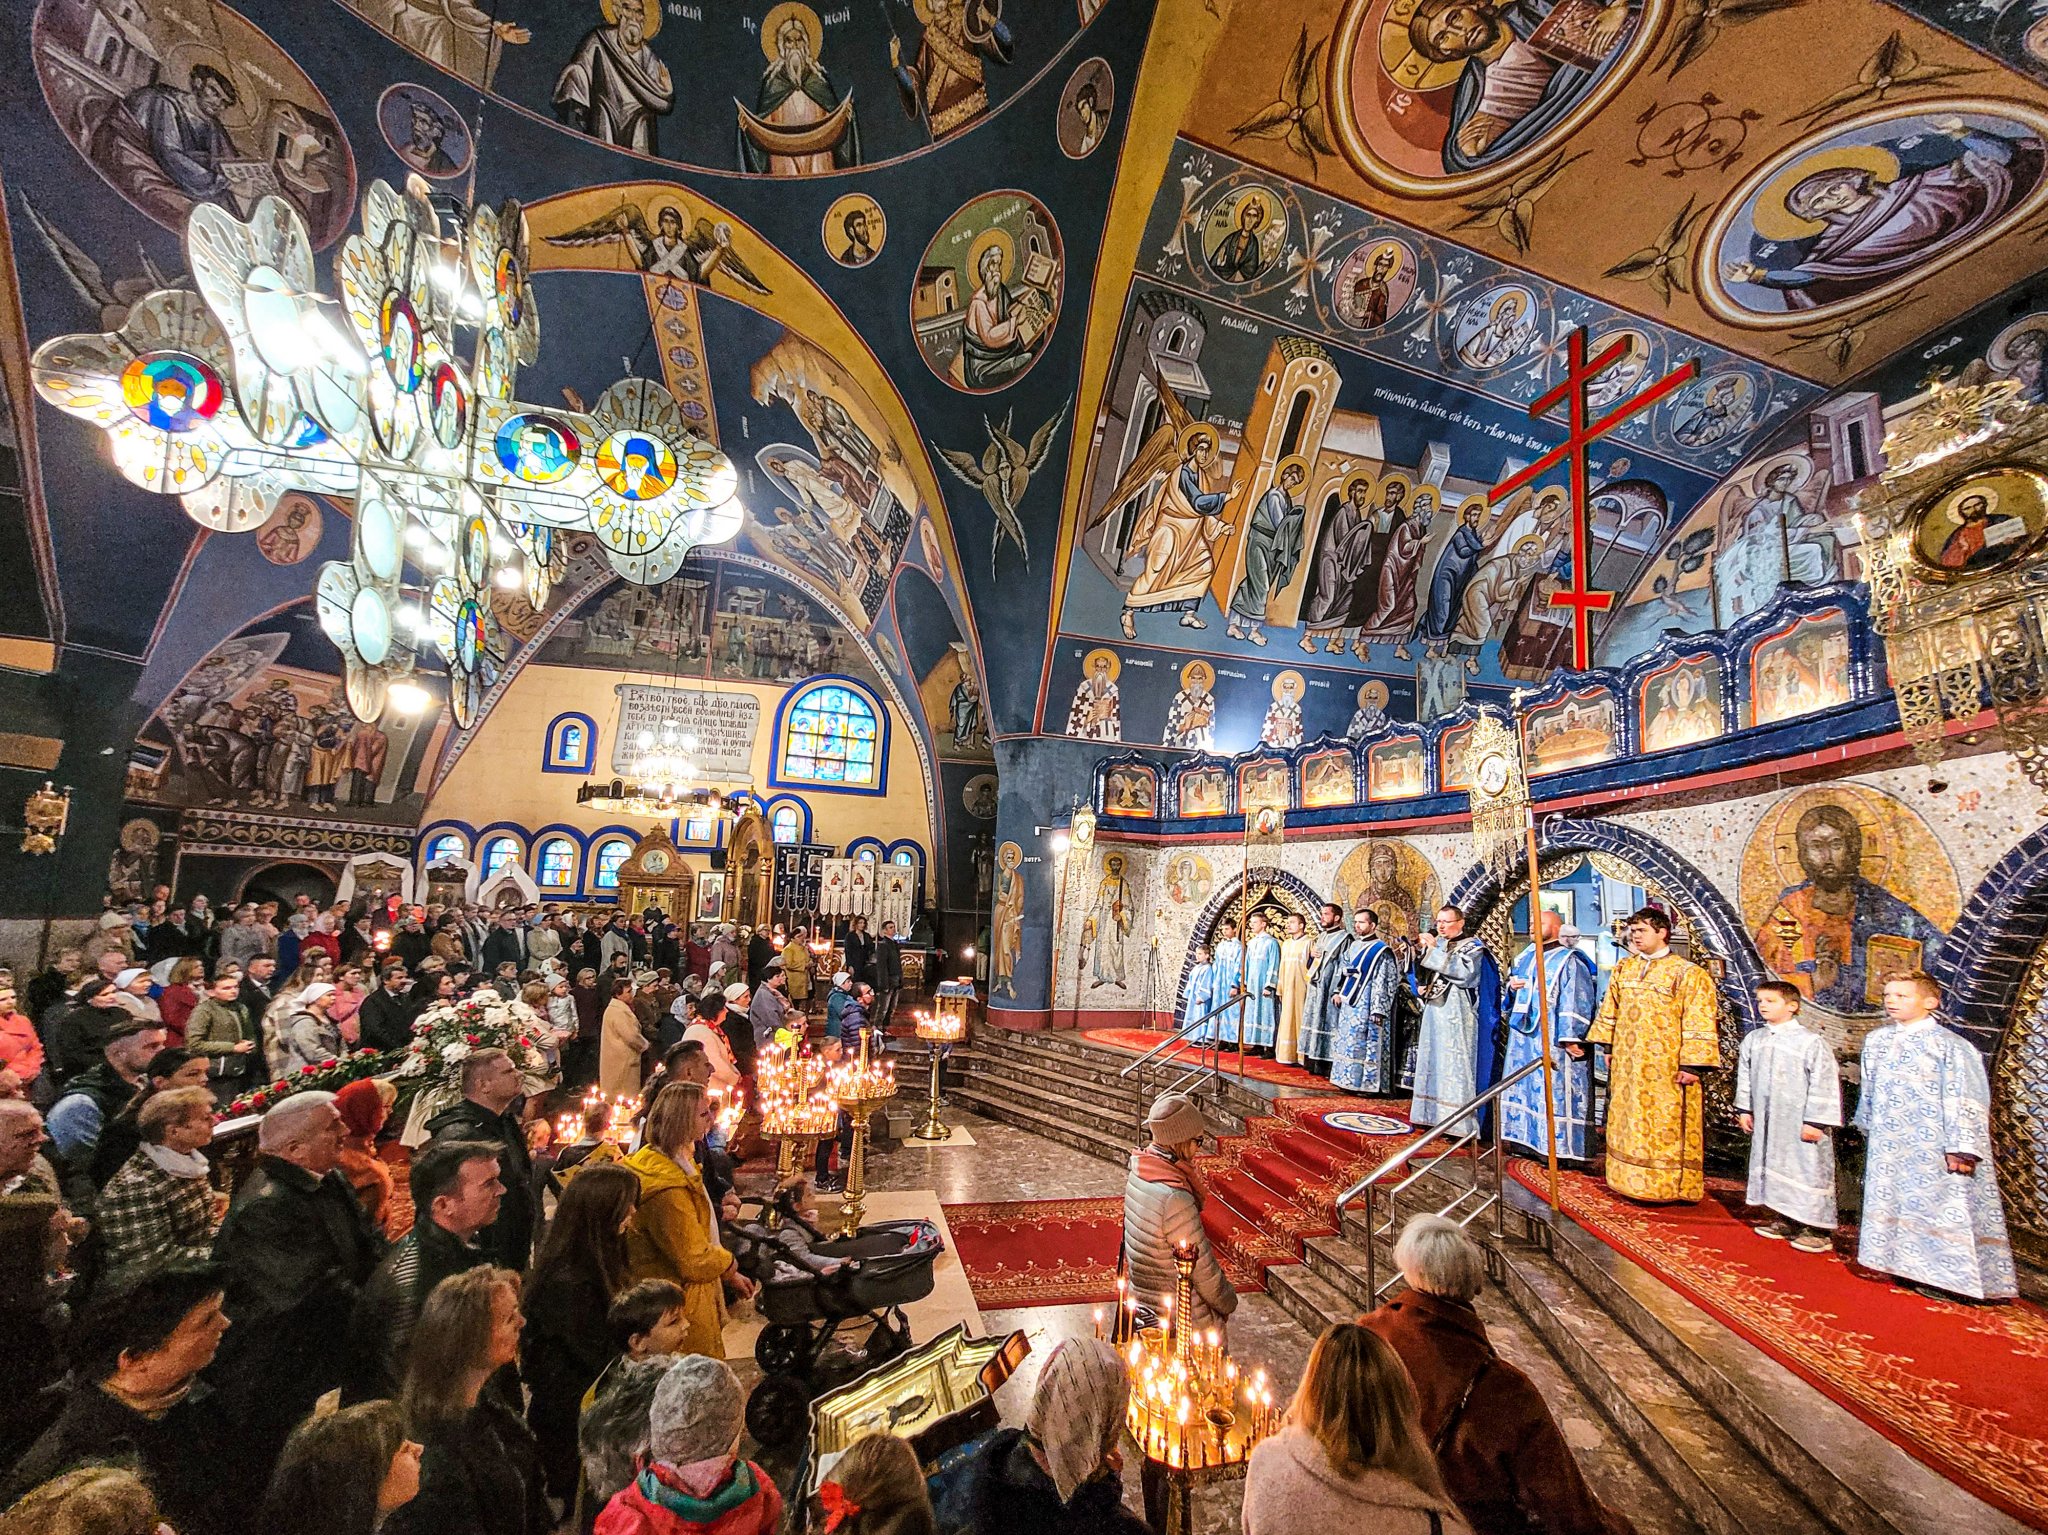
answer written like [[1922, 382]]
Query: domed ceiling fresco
[[1117, 371]]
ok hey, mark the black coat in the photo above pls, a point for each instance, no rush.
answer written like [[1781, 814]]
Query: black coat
[[508, 1241], [860, 957], [501, 945], [389, 1308], [386, 1020], [184, 1455], [888, 965], [75, 1039], [297, 1250], [479, 1476], [1011, 1495], [411, 944], [760, 950], [565, 1347]]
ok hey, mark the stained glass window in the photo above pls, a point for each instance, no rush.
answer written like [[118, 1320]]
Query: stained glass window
[[903, 855], [831, 736], [787, 825], [700, 826], [498, 852], [558, 862], [572, 740], [610, 855], [445, 848]]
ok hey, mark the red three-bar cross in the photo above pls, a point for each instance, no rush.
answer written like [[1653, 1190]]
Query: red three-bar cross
[[1579, 374]]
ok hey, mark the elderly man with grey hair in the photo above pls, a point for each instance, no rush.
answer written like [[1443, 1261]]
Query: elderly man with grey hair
[[1163, 1199], [693, 1439], [1503, 1459], [297, 1248]]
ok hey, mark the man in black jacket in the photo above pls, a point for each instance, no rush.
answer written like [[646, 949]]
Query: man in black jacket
[[490, 1086], [456, 1190], [888, 976], [386, 1016], [259, 989], [506, 941], [297, 1248], [136, 1355]]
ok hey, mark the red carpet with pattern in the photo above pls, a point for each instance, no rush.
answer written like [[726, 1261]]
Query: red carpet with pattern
[[1277, 1184], [1963, 1388], [1039, 1252], [1138, 1041]]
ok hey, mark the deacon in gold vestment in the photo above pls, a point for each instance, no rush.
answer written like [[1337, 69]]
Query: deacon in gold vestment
[[1659, 1019]]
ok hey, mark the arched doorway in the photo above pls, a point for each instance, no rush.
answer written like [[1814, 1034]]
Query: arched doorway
[[750, 870], [284, 883], [1274, 892]]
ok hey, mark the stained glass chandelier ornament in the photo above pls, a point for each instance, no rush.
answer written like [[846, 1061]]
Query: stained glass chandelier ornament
[[259, 384]]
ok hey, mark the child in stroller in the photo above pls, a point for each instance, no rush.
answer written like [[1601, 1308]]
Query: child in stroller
[[811, 1290]]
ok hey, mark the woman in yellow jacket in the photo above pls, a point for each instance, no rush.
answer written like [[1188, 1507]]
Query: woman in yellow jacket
[[674, 1233], [796, 967]]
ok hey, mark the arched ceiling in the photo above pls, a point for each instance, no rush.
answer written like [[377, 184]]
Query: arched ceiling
[[1175, 211]]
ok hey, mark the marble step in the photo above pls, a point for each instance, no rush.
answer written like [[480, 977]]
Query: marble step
[[1124, 1096], [1074, 1103], [1728, 1489], [994, 1103], [1068, 1052], [1618, 1475]]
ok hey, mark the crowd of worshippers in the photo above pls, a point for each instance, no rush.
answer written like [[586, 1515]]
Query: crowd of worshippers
[[1438, 1019]]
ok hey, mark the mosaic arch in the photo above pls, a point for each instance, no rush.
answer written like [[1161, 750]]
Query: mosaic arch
[[1282, 891]]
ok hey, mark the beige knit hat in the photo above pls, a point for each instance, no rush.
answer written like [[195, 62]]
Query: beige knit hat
[[1174, 1118]]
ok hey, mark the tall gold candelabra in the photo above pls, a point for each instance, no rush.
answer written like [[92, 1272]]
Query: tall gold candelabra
[[947, 1026], [859, 1086], [1193, 1413], [797, 1106]]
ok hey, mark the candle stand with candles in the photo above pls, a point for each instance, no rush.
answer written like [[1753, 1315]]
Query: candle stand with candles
[[1194, 1414], [797, 1106], [941, 1029], [859, 1086]]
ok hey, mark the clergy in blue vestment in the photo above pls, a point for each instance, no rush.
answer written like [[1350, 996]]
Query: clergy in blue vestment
[[1574, 988], [1931, 1212], [1326, 969], [1460, 985], [1261, 983], [1364, 1060], [1199, 995], [1226, 973]]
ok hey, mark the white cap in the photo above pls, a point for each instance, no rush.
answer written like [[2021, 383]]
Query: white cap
[[314, 993], [841, 977], [735, 991], [127, 977]]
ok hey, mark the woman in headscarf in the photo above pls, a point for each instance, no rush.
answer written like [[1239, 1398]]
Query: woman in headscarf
[[1060, 1474], [363, 1107]]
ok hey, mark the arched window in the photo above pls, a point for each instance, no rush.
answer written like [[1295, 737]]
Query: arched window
[[570, 745], [498, 852], [786, 825], [866, 855], [831, 735], [903, 855], [556, 866], [1297, 418], [610, 855], [446, 848]]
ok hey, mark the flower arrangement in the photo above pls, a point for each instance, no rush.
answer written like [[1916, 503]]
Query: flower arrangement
[[448, 1033], [327, 1077]]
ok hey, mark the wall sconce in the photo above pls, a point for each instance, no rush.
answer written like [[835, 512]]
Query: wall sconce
[[44, 816]]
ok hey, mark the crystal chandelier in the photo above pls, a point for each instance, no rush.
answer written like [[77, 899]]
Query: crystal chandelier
[[259, 384]]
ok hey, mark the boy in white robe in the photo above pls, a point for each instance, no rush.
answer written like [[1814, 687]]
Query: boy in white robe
[[1789, 1096], [1932, 1216]]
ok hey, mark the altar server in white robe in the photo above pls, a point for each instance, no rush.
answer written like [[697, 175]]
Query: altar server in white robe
[[1788, 1093], [1326, 969], [1364, 1060], [1261, 984], [1574, 988], [1460, 1011], [1226, 973], [1199, 995], [1932, 1216]]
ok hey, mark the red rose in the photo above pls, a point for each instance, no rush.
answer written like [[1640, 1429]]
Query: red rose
[[526, 1042], [260, 1101], [472, 1039], [307, 1071]]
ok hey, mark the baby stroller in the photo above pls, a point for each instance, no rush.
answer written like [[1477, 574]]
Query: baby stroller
[[813, 1289]]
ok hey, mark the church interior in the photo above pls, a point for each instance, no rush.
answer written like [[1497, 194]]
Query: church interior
[[1478, 963]]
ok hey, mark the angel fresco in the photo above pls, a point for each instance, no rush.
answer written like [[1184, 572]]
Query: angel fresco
[[1003, 473], [665, 250], [1773, 530]]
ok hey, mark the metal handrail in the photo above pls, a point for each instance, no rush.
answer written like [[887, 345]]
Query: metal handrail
[[1483, 1195], [1180, 1036]]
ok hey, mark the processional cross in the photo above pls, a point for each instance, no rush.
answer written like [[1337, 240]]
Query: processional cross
[[1583, 433]]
